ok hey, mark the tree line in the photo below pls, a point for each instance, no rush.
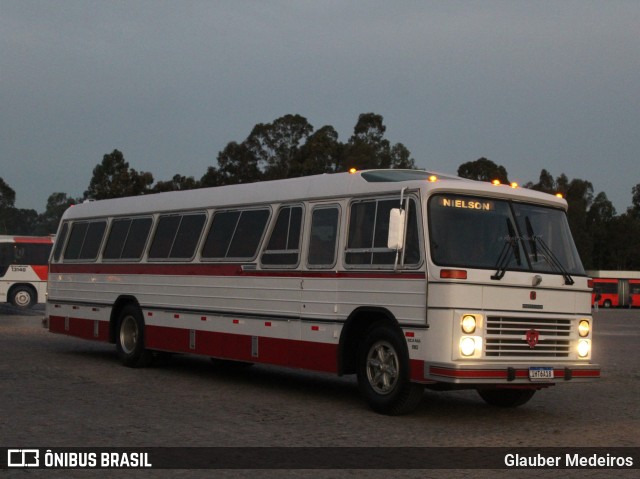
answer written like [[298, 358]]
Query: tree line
[[290, 147]]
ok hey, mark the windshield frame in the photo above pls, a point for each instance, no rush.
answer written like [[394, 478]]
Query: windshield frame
[[511, 236]]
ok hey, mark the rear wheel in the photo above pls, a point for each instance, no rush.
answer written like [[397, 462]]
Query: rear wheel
[[22, 297], [383, 372], [130, 338], [506, 397]]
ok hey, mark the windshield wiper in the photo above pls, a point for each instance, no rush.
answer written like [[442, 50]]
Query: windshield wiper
[[510, 247], [551, 258]]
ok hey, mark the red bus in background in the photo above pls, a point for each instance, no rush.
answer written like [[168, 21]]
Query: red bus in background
[[24, 269], [614, 289]]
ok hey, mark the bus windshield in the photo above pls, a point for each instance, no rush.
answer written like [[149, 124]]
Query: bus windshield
[[501, 235]]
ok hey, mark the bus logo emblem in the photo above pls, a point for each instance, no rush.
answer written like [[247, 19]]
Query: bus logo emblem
[[532, 338]]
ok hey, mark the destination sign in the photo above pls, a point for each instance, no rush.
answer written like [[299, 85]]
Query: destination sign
[[466, 203]]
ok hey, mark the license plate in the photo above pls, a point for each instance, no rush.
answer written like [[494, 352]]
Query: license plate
[[540, 374]]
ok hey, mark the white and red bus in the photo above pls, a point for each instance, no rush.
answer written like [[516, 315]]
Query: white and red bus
[[23, 269], [405, 278]]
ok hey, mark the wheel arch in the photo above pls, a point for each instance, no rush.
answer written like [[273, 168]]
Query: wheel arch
[[117, 308], [356, 326]]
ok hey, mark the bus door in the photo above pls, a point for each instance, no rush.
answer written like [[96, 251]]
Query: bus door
[[629, 292], [634, 293]]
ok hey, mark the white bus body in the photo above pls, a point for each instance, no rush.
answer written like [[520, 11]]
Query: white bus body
[[485, 292], [24, 269]]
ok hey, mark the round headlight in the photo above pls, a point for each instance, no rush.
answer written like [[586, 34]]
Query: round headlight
[[468, 323], [584, 328], [467, 346], [584, 346]]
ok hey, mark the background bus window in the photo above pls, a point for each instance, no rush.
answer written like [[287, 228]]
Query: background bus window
[[324, 232], [23, 254]]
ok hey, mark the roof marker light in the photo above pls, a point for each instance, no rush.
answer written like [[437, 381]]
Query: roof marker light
[[514, 185], [352, 170], [559, 195], [433, 178], [495, 182]]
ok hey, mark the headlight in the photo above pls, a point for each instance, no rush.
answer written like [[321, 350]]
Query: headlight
[[468, 323], [467, 346], [584, 346], [584, 328]]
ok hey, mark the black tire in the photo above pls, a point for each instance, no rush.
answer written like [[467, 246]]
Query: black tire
[[506, 397], [23, 297], [383, 372], [130, 338]]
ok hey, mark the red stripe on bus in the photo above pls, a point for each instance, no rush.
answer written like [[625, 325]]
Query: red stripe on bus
[[82, 328], [218, 270], [27, 239], [41, 270], [282, 352]]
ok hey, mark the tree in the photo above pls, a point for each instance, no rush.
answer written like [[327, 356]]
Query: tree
[[7, 208], [634, 209], [483, 169], [288, 147], [237, 164], [114, 179], [321, 153], [600, 218], [57, 204], [546, 183], [276, 146], [177, 183], [367, 148]]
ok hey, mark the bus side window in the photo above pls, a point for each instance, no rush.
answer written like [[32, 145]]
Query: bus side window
[[235, 234], [127, 238], [60, 241], [284, 244], [177, 236], [324, 233], [369, 231], [85, 240], [6, 257]]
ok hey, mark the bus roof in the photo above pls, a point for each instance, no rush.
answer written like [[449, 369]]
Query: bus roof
[[316, 187]]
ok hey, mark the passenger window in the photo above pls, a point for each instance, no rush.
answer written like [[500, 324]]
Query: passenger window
[[324, 233], [137, 238], [127, 238], [235, 234], [177, 236], [60, 241], [368, 232], [85, 240], [284, 244]]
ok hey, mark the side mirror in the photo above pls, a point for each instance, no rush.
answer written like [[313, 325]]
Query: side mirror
[[395, 239]]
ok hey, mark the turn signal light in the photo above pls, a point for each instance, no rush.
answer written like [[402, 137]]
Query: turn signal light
[[453, 274]]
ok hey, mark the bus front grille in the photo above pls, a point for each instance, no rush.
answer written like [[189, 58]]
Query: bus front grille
[[507, 337]]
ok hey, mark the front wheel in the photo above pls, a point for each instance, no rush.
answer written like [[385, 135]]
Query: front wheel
[[506, 397], [130, 338], [383, 372]]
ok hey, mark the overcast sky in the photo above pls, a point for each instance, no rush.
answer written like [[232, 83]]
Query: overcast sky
[[527, 84]]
